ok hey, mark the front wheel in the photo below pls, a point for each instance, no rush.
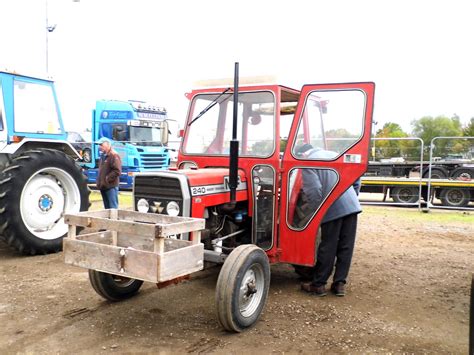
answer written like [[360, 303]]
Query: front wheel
[[112, 287], [242, 288]]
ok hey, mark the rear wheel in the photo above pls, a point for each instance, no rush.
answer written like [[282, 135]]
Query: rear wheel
[[112, 287], [242, 288], [455, 197], [404, 194], [36, 189]]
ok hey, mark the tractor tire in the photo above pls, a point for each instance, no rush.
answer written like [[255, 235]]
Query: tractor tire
[[242, 288], [112, 287], [36, 189], [455, 197], [404, 194]]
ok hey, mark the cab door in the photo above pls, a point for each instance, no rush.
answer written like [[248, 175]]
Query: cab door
[[332, 126]]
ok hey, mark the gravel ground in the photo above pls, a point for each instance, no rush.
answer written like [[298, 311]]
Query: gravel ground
[[408, 293]]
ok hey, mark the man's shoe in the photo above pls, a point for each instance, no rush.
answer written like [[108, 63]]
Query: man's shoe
[[339, 289], [319, 291]]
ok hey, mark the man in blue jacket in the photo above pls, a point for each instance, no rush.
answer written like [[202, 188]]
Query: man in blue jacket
[[338, 227]]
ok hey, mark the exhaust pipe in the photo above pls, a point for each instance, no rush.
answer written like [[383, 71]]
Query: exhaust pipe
[[234, 143]]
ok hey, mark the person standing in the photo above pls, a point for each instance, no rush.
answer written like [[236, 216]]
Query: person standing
[[338, 227], [110, 168]]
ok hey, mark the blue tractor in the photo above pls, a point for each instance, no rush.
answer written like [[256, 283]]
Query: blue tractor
[[40, 180]]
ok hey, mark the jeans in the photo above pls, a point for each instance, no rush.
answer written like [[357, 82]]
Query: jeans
[[110, 197]]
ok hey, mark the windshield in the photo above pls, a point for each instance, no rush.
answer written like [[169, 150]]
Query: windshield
[[147, 136], [35, 108], [212, 132]]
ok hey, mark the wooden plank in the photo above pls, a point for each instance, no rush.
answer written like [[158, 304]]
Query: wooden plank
[[135, 241], [77, 220], [104, 237], [71, 232], [152, 217], [138, 264], [173, 244], [182, 227], [180, 262]]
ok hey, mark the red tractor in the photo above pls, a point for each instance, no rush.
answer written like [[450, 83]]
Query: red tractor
[[237, 168]]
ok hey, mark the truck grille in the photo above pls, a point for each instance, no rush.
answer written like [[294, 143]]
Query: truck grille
[[156, 188], [154, 161]]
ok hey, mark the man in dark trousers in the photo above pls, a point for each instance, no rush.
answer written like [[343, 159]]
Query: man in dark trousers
[[110, 168], [338, 227]]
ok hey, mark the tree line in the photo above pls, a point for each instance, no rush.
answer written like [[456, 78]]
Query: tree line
[[426, 128]]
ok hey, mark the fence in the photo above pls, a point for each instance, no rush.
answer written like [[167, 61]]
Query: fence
[[399, 175]]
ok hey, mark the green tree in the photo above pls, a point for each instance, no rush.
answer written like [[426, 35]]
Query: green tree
[[441, 126], [468, 131], [392, 148]]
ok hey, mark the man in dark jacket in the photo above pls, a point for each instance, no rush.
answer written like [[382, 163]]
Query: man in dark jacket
[[110, 168], [338, 227]]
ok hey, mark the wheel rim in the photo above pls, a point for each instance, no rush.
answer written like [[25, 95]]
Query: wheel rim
[[455, 197], [122, 282], [251, 290], [46, 197], [406, 195]]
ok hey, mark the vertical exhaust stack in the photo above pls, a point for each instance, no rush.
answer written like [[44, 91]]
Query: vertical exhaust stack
[[234, 143]]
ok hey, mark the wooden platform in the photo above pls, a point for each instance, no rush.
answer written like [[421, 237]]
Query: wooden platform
[[142, 246]]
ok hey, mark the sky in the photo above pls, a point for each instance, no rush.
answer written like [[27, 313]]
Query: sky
[[419, 53]]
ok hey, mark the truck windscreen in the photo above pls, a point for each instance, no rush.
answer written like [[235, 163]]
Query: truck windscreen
[[147, 136]]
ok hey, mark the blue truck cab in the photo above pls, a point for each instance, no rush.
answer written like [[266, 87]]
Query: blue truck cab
[[139, 134]]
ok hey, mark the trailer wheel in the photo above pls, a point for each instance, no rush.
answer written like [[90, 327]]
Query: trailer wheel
[[437, 172], [404, 194], [36, 189], [242, 288], [455, 197], [112, 287], [463, 174]]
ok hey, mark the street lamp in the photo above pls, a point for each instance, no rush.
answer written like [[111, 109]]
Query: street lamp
[[49, 28]]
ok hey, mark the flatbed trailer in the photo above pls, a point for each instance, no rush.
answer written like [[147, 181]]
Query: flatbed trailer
[[408, 190], [452, 169]]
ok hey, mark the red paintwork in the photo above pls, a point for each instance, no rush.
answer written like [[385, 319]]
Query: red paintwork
[[296, 247]]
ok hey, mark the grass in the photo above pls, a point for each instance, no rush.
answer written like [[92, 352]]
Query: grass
[[125, 200], [434, 215]]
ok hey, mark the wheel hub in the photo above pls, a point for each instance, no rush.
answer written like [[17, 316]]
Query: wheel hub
[[45, 203]]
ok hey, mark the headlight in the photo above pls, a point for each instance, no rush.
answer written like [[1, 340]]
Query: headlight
[[172, 208], [142, 205]]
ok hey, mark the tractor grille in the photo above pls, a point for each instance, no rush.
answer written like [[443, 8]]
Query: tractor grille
[[154, 160], [157, 188]]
